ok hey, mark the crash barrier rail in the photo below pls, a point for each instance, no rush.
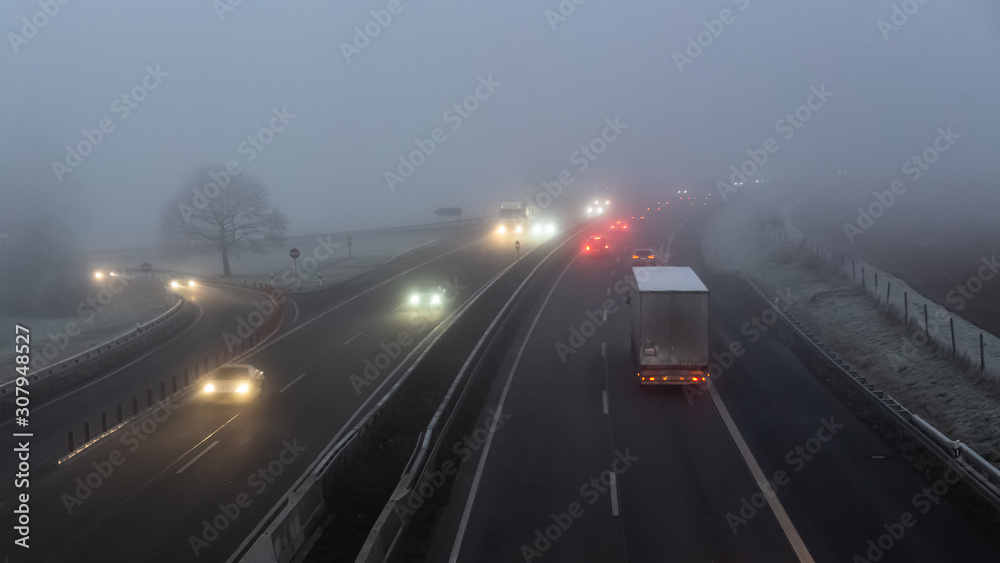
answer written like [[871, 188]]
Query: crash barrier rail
[[428, 455], [88, 363], [288, 525], [981, 475], [84, 435]]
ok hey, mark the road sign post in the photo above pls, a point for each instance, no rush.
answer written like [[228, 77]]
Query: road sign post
[[349, 242], [517, 248], [294, 253]]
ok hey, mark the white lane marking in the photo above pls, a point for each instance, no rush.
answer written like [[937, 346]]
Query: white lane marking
[[758, 475], [296, 317], [351, 339], [614, 494], [197, 457], [604, 395], [203, 440], [292, 383], [467, 512]]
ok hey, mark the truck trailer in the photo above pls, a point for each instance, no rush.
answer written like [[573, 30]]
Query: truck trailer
[[669, 326]]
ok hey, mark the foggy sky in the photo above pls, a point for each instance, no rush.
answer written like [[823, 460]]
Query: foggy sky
[[221, 78]]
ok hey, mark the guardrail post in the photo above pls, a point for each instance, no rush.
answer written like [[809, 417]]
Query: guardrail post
[[135, 405], [163, 391], [863, 277], [853, 276], [951, 325], [104, 422], [120, 417], [888, 289], [906, 307], [186, 377], [70, 440], [173, 383], [86, 432], [927, 327], [876, 281], [149, 397]]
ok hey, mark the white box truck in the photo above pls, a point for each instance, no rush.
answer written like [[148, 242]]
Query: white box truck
[[669, 326]]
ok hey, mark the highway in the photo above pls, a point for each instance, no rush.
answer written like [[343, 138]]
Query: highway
[[190, 481], [589, 466]]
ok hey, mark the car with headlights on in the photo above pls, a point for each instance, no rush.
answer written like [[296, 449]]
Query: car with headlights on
[[180, 282], [237, 382], [426, 296]]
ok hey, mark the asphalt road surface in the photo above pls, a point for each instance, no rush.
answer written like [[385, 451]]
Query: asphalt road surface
[[590, 466], [192, 479]]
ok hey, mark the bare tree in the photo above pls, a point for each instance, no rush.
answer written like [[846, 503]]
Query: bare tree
[[228, 212]]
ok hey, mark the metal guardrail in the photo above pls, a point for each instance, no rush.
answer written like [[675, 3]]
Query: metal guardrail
[[390, 525], [983, 476], [285, 529], [287, 525], [87, 358]]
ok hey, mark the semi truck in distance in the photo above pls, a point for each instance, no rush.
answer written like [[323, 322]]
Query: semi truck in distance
[[669, 325], [515, 215]]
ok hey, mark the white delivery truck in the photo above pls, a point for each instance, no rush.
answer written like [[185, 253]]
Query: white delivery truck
[[669, 325]]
